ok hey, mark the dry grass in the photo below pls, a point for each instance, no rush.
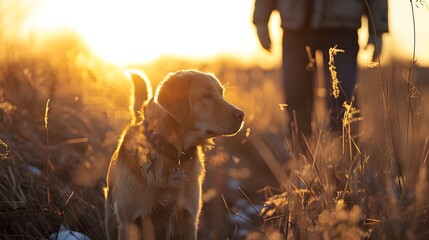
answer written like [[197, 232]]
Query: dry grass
[[52, 162], [370, 182]]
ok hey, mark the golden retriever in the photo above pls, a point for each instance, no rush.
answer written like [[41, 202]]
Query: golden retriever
[[155, 176]]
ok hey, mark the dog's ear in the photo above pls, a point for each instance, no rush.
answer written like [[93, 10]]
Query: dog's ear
[[173, 95]]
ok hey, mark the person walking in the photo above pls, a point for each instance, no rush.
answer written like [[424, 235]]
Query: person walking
[[310, 25]]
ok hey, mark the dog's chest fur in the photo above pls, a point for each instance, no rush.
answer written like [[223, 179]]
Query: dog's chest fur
[[155, 186]]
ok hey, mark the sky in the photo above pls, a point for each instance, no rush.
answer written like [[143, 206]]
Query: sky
[[126, 31], [132, 31]]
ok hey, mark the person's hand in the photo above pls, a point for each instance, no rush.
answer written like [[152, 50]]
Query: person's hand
[[264, 36], [377, 42]]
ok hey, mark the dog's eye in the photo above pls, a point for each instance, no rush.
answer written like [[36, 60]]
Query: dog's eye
[[207, 96]]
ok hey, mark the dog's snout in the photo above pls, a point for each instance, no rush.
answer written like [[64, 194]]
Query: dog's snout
[[239, 114]]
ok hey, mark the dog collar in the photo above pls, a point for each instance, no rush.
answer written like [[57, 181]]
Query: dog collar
[[166, 148]]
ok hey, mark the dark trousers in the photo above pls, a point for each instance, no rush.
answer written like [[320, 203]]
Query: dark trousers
[[298, 79]]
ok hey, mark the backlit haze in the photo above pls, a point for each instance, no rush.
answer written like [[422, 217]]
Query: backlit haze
[[127, 31]]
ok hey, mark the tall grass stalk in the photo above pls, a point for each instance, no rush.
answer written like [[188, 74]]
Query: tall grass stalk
[[389, 121], [48, 162]]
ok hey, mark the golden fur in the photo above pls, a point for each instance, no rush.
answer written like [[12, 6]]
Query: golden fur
[[188, 109]]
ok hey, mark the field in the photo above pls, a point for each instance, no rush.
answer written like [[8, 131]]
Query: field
[[62, 110]]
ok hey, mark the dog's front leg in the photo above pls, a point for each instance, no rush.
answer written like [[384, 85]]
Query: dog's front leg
[[188, 211], [186, 225], [129, 231], [148, 230]]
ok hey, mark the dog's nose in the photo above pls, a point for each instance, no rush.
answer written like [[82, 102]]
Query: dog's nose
[[239, 114]]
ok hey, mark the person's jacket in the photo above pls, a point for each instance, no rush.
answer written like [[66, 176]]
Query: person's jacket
[[324, 13]]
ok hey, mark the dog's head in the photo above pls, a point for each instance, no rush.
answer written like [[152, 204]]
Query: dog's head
[[195, 100]]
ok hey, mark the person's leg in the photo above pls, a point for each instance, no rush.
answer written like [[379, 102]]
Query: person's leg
[[346, 68], [297, 79]]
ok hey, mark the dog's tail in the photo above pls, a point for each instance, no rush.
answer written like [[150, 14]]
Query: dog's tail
[[142, 93]]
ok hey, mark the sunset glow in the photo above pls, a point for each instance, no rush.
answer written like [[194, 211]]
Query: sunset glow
[[132, 31], [129, 31]]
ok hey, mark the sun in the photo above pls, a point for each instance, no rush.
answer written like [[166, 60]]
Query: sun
[[131, 31]]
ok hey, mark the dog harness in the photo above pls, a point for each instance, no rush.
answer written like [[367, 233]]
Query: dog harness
[[168, 150]]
